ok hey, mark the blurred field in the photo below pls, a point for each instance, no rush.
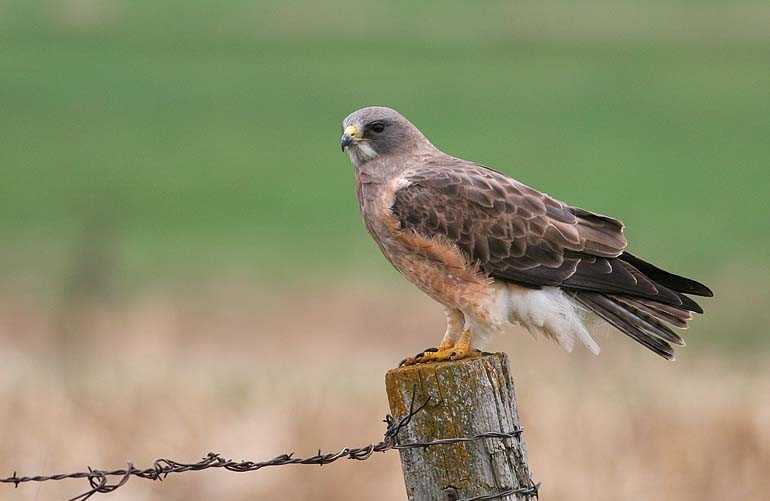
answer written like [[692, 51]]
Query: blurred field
[[190, 138], [252, 374], [183, 268]]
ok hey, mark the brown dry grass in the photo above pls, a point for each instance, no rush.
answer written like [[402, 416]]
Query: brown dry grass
[[254, 373]]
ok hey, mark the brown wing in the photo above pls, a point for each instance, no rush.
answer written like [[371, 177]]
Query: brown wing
[[518, 234]]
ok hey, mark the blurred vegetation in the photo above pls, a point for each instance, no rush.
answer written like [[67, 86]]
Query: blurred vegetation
[[194, 138]]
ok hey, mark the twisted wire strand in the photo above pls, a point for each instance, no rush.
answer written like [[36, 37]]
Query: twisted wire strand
[[530, 491], [99, 479]]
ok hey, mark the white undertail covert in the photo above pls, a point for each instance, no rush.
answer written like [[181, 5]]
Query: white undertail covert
[[547, 311]]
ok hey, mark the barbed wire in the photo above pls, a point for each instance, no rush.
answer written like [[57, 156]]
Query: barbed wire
[[99, 479], [531, 490]]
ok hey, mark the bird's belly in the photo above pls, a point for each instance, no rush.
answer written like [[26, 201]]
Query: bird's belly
[[439, 270]]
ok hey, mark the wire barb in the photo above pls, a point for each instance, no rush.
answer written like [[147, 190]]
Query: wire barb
[[98, 480]]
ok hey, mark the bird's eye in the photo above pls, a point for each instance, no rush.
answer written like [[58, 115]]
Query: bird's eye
[[377, 127]]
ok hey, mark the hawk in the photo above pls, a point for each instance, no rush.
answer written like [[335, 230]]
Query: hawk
[[497, 253]]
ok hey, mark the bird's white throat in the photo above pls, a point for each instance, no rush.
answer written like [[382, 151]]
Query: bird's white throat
[[361, 152]]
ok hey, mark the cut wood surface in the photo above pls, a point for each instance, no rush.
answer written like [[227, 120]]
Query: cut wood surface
[[467, 397]]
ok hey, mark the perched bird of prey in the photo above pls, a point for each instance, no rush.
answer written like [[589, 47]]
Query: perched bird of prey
[[497, 253]]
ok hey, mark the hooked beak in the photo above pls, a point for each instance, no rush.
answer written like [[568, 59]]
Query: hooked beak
[[348, 136]]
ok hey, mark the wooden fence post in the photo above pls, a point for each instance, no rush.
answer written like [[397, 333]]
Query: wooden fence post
[[467, 398]]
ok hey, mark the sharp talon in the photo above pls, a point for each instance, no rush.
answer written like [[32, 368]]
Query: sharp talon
[[403, 362], [430, 350], [419, 356], [478, 351], [486, 353], [452, 354]]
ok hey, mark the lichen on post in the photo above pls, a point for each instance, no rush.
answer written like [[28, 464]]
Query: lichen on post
[[467, 398]]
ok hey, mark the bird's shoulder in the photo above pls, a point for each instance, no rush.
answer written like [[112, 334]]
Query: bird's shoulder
[[465, 185]]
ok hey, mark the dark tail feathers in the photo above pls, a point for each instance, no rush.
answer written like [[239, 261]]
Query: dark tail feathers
[[647, 321]]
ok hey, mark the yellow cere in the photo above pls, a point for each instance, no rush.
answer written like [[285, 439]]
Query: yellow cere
[[351, 130]]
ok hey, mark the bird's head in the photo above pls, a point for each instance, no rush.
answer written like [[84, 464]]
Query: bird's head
[[376, 131]]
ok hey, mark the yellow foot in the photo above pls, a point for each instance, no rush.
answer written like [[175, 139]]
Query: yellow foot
[[461, 349]]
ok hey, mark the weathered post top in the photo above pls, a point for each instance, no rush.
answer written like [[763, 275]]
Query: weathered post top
[[467, 398]]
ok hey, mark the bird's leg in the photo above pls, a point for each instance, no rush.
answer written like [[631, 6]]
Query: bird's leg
[[454, 328], [455, 345]]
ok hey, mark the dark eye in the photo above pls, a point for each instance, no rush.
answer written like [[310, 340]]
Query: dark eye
[[377, 127]]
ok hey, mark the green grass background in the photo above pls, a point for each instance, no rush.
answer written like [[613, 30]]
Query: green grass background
[[194, 138]]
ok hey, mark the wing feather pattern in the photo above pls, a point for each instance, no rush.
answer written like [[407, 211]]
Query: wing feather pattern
[[518, 234]]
